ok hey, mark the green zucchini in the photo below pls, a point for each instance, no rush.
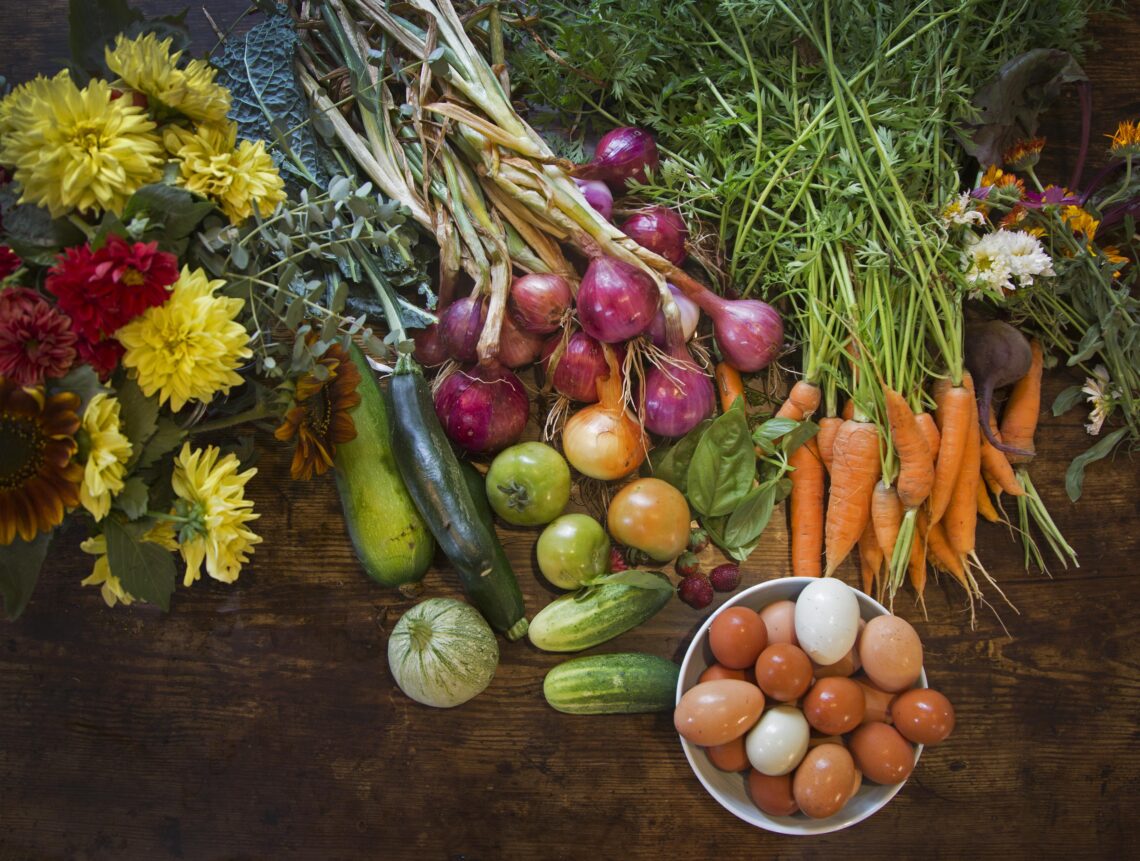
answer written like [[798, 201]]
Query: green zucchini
[[619, 683], [608, 606], [390, 537], [435, 480]]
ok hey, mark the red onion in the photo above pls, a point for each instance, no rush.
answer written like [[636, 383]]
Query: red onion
[[621, 155], [461, 325], [538, 302], [517, 348], [430, 350], [579, 366], [678, 396], [661, 230], [616, 301], [690, 316], [598, 195], [748, 332], [483, 409]]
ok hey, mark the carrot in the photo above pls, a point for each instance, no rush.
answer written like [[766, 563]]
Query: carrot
[[848, 412], [916, 567], [985, 506], [1022, 410], [802, 401], [854, 470], [942, 555], [929, 428], [916, 467], [828, 428], [886, 518], [954, 415], [870, 558], [806, 509], [996, 468], [729, 385], [961, 517]]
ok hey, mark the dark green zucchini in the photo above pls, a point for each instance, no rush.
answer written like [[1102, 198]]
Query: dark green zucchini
[[435, 480]]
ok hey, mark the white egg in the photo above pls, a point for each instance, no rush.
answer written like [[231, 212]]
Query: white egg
[[827, 620], [779, 741]]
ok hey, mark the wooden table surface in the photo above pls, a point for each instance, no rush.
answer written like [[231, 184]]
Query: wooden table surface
[[259, 720]]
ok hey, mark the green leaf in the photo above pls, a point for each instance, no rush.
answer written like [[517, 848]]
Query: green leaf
[[1067, 399], [82, 380], [671, 463], [174, 209], [139, 415], [723, 465], [766, 435], [93, 25], [804, 431], [1090, 343], [32, 234], [653, 580], [748, 521], [133, 498], [144, 569], [1075, 474], [20, 564], [267, 104]]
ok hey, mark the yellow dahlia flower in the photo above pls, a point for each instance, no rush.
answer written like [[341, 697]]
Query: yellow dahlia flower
[[107, 456], [146, 65], [76, 149], [237, 177], [211, 500], [187, 349]]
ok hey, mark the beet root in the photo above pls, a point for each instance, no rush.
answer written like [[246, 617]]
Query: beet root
[[996, 355]]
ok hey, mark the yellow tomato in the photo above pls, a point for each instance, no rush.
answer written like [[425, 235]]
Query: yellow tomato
[[652, 516]]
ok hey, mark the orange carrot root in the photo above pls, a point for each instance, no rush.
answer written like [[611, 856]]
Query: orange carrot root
[[855, 468], [806, 510], [729, 385], [802, 401], [1023, 409], [955, 416], [916, 467], [828, 428], [996, 468], [961, 517], [870, 559], [886, 518], [985, 505]]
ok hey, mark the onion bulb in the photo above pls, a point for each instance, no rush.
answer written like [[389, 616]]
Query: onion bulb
[[622, 154], [678, 395], [430, 349], [749, 333], [460, 326], [483, 409], [661, 230], [690, 316], [539, 301], [517, 348], [604, 440], [598, 195], [577, 368], [616, 301]]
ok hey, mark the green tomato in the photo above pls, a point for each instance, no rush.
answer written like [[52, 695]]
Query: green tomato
[[528, 484], [573, 549]]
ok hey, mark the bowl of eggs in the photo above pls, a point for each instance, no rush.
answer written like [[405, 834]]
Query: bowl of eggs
[[803, 706]]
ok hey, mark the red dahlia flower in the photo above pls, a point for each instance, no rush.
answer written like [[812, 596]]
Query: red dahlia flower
[[9, 262], [36, 341], [104, 290]]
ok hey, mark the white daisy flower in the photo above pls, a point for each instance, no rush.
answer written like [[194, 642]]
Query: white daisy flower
[[1102, 395]]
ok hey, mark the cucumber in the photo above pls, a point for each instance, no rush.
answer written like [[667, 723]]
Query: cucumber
[[436, 483], [390, 537], [619, 683], [607, 607]]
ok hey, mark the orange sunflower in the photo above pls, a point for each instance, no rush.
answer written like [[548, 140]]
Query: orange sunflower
[[39, 480], [319, 419]]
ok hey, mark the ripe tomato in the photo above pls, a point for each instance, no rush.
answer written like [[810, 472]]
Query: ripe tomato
[[650, 515], [573, 549], [528, 484]]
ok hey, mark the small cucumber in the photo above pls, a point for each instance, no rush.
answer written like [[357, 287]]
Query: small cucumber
[[390, 537], [607, 607], [620, 683]]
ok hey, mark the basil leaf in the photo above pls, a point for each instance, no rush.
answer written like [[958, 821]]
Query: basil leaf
[[723, 466], [766, 435], [748, 521], [671, 464], [793, 440], [633, 577], [1068, 399], [1075, 474]]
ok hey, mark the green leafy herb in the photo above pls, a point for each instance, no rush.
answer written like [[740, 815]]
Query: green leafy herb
[[671, 463], [1075, 474], [20, 564], [723, 465]]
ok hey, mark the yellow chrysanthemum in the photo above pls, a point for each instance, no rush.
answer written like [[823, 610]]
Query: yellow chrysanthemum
[[107, 456], [1126, 140], [146, 65], [187, 349], [212, 503], [162, 534], [1080, 221], [237, 177], [76, 149]]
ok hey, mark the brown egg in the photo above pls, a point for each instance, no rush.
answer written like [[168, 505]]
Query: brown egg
[[923, 716], [780, 620], [815, 740], [783, 671], [848, 665], [834, 706], [737, 636], [773, 795], [823, 781], [891, 653], [718, 711], [881, 753], [877, 703], [856, 784], [730, 756], [719, 671]]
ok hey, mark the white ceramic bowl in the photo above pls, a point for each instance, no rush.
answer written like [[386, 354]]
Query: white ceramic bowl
[[731, 790]]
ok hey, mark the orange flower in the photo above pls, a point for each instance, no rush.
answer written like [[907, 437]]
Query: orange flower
[[319, 419], [1023, 154], [1080, 221], [1126, 140], [39, 480]]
